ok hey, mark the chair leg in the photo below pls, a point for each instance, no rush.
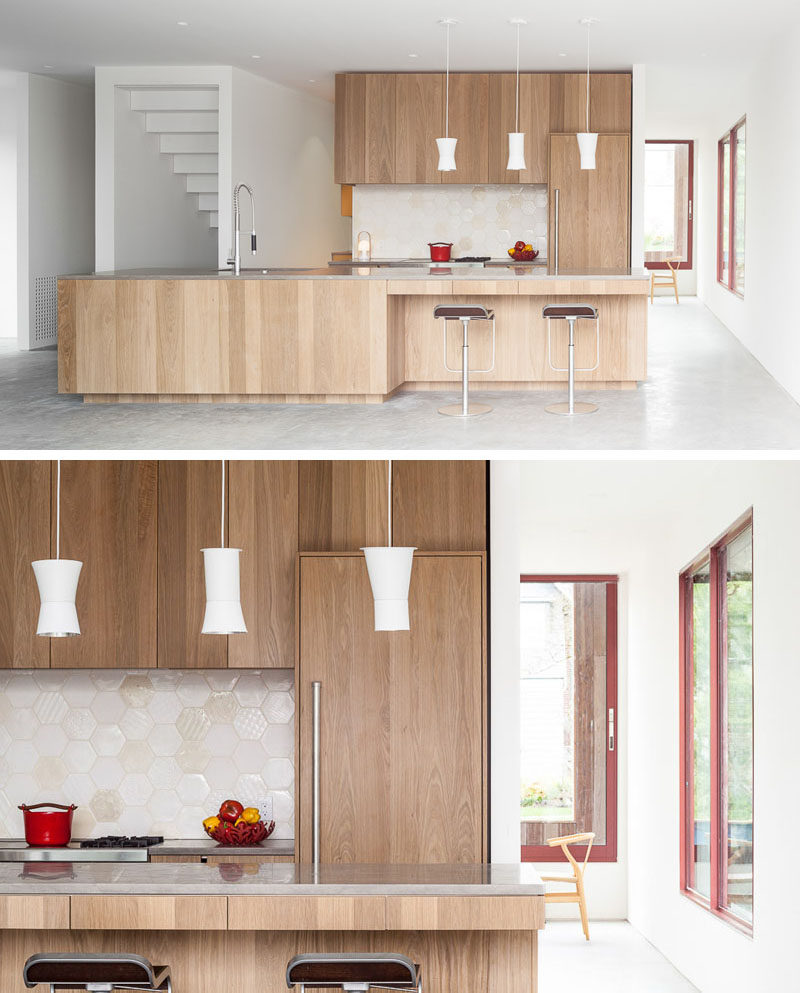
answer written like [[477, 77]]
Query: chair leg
[[582, 906], [675, 287], [652, 287]]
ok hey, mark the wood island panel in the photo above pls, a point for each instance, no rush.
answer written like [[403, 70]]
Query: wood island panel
[[34, 912], [149, 913], [481, 913], [306, 913]]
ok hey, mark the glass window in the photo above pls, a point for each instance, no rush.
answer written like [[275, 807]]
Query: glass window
[[717, 726], [568, 712], [731, 202], [668, 203]]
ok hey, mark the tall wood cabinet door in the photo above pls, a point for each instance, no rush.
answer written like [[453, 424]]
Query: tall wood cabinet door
[[441, 505], [379, 127], [609, 102], [263, 523], [534, 122], [24, 537], [349, 147], [419, 120], [109, 522], [189, 495], [469, 122], [402, 714], [343, 505], [594, 204]]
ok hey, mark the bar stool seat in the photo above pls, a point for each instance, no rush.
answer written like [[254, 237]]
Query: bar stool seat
[[354, 971], [571, 312], [465, 313], [99, 972]]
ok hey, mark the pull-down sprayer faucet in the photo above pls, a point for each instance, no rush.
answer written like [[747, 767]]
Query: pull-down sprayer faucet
[[236, 261]]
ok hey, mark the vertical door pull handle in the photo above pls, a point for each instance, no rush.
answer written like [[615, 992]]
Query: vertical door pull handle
[[315, 695]]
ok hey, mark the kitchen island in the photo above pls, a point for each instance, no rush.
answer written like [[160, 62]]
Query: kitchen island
[[233, 927], [337, 334]]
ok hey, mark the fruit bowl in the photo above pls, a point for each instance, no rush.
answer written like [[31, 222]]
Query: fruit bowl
[[238, 835], [524, 256]]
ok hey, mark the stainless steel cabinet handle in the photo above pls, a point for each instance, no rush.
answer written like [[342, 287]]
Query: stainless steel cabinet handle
[[315, 695], [557, 194]]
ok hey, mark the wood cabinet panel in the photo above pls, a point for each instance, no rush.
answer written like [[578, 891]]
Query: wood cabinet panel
[[609, 102], [24, 537], [594, 209], [263, 523], [402, 720], [534, 121], [379, 128], [109, 522], [189, 495], [149, 913], [306, 913], [342, 505], [419, 121], [469, 122], [452, 913], [440, 506], [30, 912], [349, 147]]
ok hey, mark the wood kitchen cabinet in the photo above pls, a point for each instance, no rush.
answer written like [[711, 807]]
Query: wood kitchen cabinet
[[109, 522], [609, 102], [364, 141], [594, 204], [342, 505], [24, 537], [419, 121], [534, 121], [469, 122], [402, 763]]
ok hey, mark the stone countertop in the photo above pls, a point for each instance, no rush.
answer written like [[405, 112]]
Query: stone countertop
[[269, 879], [203, 846], [521, 273]]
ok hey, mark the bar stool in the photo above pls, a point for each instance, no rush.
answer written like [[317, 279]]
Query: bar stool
[[465, 314], [99, 973], [570, 313], [354, 972]]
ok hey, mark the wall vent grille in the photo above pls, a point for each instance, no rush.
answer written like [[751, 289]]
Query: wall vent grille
[[45, 305]]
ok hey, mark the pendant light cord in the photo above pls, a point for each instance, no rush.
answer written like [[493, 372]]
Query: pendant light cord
[[390, 502], [516, 118], [58, 507], [446, 90], [222, 515], [588, 43]]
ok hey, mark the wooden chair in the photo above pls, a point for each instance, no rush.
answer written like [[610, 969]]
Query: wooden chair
[[576, 879], [669, 278]]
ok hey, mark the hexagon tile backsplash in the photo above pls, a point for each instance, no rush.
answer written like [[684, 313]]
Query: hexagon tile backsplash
[[479, 220], [146, 752]]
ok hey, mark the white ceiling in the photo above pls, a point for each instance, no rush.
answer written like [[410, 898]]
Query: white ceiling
[[303, 40]]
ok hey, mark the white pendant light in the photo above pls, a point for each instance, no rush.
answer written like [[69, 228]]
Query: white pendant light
[[447, 145], [57, 580], [516, 138], [223, 599], [389, 571], [587, 140]]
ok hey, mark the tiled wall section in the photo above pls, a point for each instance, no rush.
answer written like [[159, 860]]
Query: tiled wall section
[[479, 220], [149, 752]]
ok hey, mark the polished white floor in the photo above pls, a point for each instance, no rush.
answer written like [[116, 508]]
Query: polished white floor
[[616, 960]]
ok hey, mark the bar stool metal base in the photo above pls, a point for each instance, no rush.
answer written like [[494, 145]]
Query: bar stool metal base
[[457, 409], [581, 407]]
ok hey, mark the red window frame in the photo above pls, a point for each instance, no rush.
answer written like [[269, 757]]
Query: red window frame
[[732, 137], [607, 852], [690, 230], [714, 554]]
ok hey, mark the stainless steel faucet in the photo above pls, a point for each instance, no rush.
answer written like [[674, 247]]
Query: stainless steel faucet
[[236, 260]]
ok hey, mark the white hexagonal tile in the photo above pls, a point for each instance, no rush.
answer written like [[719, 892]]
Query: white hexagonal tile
[[5, 739], [221, 740], [107, 680], [50, 707], [136, 789], [250, 690], [163, 805], [164, 708], [135, 820], [48, 680], [136, 690], [188, 822], [193, 690], [164, 739], [136, 756], [107, 706], [249, 789], [279, 708], [193, 756], [107, 807], [21, 757], [193, 724], [50, 740], [107, 773], [221, 680], [221, 707], [282, 805], [83, 822], [193, 789], [78, 788], [108, 740], [136, 725], [250, 723], [249, 756], [219, 772], [50, 773], [278, 774], [22, 724], [78, 689], [164, 773], [79, 724], [79, 756]]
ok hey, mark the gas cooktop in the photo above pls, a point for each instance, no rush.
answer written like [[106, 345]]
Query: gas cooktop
[[122, 841], [112, 848]]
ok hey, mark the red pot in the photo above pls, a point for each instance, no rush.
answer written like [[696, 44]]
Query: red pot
[[48, 828], [440, 250]]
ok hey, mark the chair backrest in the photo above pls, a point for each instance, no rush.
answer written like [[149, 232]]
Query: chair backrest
[[673, 264], [584, 838]]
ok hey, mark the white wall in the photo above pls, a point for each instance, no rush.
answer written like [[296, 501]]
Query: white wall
[[283, 148], [156, 223], [9, 83]]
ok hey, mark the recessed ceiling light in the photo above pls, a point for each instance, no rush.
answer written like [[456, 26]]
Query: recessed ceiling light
[[48, 67], [183, 24], [413, 55], [312, 80], [255, 56], [562, 55]]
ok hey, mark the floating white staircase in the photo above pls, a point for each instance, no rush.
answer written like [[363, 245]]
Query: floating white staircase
[[186, 121]]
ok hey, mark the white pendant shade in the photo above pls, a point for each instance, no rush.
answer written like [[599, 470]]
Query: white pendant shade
[[447, 154], [587, 143], [389, 571], [57, 580], [223, 600], [516, 150]]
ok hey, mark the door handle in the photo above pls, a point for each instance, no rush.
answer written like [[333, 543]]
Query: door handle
[[557, 195], [612, 734], [315, 707]]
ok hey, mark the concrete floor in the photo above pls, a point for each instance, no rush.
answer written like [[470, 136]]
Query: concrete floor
[[704, 392], [616, 960]]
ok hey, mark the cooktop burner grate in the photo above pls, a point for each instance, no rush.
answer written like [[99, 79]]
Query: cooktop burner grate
[[473, 258], [122, 841]]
